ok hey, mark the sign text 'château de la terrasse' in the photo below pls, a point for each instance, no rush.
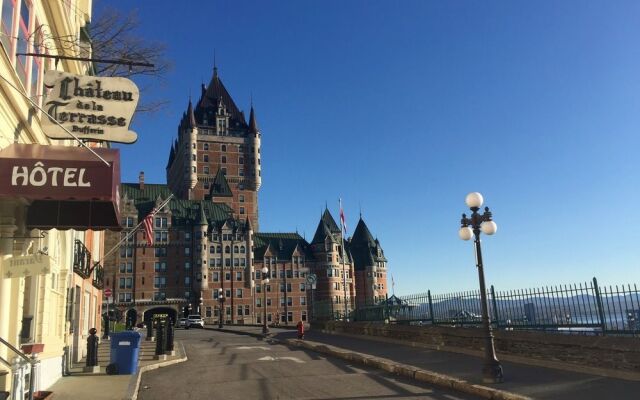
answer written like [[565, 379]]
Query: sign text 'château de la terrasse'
[[90, 107]]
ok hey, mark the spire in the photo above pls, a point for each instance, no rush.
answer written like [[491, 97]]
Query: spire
[[172, 156], [362, 235], [190, 115], [253, 125], [202, 217], [248, 226], [328, 220]]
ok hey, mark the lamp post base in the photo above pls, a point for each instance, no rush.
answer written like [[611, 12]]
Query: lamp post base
[[492, 372], [265, 330]]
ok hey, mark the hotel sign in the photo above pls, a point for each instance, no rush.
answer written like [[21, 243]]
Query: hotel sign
[[90, 107], [18, 267]]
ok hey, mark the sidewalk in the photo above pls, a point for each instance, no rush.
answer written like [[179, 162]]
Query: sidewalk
[[100, 386], [525, 380]]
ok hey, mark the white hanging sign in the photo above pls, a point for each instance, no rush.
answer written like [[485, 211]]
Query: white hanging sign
[[90, 107]]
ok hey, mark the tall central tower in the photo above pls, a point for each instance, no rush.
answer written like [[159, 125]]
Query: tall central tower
[[216, 156]]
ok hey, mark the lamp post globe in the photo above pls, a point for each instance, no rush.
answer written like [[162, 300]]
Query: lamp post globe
[[474, 200], [473, 225], [465, 233]]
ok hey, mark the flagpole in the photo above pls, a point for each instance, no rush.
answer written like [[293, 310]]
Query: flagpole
[[344, 274], [135, 229]]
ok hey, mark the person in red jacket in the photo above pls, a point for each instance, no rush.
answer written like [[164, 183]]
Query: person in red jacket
[[300, 328]]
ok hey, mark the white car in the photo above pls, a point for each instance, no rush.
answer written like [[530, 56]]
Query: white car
[[182, 323], [194, 320]]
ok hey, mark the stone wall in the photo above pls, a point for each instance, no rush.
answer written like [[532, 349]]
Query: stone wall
[[602, 352]]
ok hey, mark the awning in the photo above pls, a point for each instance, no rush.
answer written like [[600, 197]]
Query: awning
[[68, 187]]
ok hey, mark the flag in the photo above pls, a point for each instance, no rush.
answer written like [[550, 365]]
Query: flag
[[148, 227], [343, 223]]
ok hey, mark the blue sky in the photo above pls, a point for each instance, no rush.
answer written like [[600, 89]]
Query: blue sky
[[403, 107]]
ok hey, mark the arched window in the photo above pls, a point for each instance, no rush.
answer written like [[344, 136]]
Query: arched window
[[242, 249], [235, 249], [227, 249]]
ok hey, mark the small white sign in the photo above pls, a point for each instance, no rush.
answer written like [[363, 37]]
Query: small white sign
[[124, 343], [21, 266], [90, 107]]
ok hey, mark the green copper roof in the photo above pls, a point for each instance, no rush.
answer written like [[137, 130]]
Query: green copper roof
[[183, 212], [282, 244]]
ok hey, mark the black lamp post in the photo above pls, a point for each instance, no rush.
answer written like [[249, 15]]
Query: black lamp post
[[472, 226], [265, 281], [221, 300]]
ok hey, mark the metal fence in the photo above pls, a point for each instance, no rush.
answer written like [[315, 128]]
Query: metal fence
[[584, 308]]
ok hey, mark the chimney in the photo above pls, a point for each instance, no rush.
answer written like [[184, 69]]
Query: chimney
[[141, 180]]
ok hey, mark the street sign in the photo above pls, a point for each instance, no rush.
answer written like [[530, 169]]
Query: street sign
[[312, 279], [107, 292]]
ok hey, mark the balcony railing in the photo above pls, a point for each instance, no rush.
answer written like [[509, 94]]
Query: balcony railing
[[81, 260], [98, 276]]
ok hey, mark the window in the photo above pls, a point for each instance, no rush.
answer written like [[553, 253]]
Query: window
[[268, 288], [126, 252], [187, 265], [258, 302], [124, 297], [219, 249], [206, 146], [242, 249], [160, 266], [246, 310], [238, 276], [187, 251], [241, 160], [187, 280], [282, 301], [302, 287], [207, 312], [22, 45], [242, 210], [227, 249], [205, 158], [224, 159], [212, 249], [240, 186], [269, 317], [227, 293], [239, 293], [289, 301], [160, 251], [329, 258], [227, 262], [236, 249], [268, 302], [239, 311], [259, 288], [223, 147], [289, 273], [159, 296], [303, 301], [205, 170], [290, 316], [241, 171], [161, 222], [303, 317], [7, 23], [227, 276], [129, 222], [241, 198], [215, 294], [215, 277], [162, 236], [160, 282]]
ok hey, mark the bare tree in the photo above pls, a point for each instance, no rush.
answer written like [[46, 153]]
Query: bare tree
[[112, 35]]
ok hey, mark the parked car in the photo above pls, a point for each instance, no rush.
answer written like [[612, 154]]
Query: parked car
[[182, 323], [194, 320]]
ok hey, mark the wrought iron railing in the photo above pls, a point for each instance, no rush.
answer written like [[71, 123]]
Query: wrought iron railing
[[584, 308], [81, 260], [98, 276]]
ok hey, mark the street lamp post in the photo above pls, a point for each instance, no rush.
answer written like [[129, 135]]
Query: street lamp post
[[265, 281], [472, 226], [221, 301]]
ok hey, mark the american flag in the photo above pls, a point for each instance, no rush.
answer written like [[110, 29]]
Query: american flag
[[342, 221], [148, 227]]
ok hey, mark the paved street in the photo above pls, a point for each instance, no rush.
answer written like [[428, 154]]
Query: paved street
[[228, 366]]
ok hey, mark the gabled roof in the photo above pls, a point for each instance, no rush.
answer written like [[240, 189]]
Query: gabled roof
[[282, 245], [215, 93], [220, 186]]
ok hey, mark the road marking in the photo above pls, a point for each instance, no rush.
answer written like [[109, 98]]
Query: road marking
[[252, 347], [271, 358]]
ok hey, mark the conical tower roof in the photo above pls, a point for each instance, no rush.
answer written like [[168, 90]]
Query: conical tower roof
[[321, 233], [216, 92], [327, 218], [362, 235], [191, 118], [201, 219], [253, 124]]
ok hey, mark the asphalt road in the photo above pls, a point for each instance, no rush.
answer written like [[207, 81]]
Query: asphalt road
[[229, 366]]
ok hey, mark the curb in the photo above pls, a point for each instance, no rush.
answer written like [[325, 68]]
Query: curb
[[407, 371], [134, 383]]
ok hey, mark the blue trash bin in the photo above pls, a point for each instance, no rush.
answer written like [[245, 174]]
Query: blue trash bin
[[125, 348]]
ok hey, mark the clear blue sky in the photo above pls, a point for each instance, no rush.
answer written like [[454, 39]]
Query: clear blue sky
[[403, 107]]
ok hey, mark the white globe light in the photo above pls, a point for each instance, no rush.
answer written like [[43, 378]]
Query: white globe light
[[266, 280], [488, 227], [265, 270], [474, 199], [465, 233]]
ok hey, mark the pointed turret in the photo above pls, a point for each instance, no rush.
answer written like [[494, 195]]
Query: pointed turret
[[322, 232], [329, 221], [172, 156], [201, 219], [253, 124], [362, 235], [191, 118]]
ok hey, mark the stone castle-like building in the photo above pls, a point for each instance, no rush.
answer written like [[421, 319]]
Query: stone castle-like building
[[207, 237]]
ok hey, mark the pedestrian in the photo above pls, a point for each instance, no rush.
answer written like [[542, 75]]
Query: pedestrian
[[300, 328]]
